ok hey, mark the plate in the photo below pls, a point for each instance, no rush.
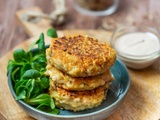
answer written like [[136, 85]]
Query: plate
[[115, 96]]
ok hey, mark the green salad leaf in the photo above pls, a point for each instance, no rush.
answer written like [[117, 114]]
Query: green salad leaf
[[30, 83], [52, 33], [31, 74], [20, 55]]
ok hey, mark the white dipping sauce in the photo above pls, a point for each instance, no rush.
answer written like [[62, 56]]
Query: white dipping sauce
[[136, 49], [137, 43]]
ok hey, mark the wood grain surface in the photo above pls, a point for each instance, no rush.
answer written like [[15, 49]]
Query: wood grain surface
[[139, 12], [143, 99]]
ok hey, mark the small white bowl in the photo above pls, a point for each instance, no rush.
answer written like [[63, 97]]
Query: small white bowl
[[137, 47]]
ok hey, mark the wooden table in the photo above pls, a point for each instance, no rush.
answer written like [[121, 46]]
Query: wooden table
[[143, 99], [139, 12]]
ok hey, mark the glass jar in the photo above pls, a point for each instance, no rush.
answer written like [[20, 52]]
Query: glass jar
[[96, 7]]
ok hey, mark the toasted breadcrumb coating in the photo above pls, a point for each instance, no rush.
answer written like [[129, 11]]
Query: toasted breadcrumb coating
[[80, 56], [77, 101], [67, 82]]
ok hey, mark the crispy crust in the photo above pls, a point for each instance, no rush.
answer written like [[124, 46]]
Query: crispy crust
[[77, 83], [80, 56], [77, 101]]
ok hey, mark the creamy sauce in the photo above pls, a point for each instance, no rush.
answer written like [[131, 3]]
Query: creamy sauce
[[138, 43]]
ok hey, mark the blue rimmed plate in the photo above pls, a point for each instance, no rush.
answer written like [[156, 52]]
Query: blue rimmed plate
[[115, 96]]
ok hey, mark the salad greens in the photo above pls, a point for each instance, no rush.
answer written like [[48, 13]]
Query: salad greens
[[29, 81], [52, 33]]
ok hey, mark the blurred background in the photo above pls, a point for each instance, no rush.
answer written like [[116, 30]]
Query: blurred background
[[132, 12]]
